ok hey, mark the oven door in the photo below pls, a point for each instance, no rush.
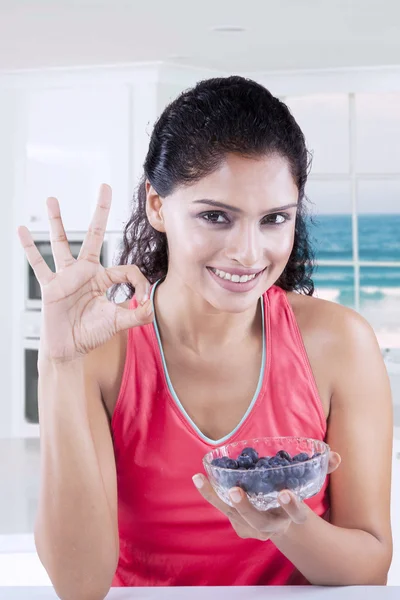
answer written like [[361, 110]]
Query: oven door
[[30, 371]]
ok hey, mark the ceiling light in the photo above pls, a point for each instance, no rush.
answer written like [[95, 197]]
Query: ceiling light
[[228, 28]]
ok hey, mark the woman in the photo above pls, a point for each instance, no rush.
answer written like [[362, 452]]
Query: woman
[[131, 400]]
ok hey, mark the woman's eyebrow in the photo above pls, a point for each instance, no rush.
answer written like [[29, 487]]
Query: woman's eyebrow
[[239, 210]]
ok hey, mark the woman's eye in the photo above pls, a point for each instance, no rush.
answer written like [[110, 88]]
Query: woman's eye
[[213, 216], [282, 216]]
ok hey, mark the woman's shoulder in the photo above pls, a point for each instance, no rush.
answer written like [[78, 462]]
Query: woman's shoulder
[[319, 312], [329, 325], [333, 336]]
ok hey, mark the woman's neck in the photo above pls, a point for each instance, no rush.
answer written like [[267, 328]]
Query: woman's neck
[[187, 319]]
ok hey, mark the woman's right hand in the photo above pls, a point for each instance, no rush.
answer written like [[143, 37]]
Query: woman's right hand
[[76, 315]]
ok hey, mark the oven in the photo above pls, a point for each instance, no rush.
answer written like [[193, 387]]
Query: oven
[[28, 417]]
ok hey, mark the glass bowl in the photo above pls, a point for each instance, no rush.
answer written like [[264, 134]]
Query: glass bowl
[[263, 467]]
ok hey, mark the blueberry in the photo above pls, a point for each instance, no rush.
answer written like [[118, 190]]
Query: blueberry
[[307, 476], [303, 456], [262, 487], [292, 483], [263, 463], [228, 463], [267, 476], [229, 479], [245, 481], [276, 461], [278, 478], [218, 462], [296, 470], [244, 461], [284, 454], [316, 454], [250, 452]]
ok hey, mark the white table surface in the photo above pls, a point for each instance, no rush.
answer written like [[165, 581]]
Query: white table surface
[[220, 593]]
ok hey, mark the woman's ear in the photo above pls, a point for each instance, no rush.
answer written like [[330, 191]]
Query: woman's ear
[[154, 208]]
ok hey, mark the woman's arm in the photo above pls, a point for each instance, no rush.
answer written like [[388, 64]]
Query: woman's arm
[[76, 529], [355, 548]]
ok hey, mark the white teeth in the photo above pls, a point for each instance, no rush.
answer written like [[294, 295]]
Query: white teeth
[[234, 278]]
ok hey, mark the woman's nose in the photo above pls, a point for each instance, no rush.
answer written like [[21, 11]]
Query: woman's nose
[[245, 246]]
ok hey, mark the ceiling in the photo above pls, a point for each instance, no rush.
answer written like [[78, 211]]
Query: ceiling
[[279, 34]]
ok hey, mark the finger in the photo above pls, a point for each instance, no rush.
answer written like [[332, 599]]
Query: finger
[[91, 247], [140, 283], [130, 274], [127, 317], [334, 461], [262, 521], [208, 493], [59, 243], [41, 269], [295, 508]]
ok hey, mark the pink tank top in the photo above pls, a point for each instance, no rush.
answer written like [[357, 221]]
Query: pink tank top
[[169, 535]]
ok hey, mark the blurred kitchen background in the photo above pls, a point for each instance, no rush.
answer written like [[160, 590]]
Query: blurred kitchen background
[[81, 84]]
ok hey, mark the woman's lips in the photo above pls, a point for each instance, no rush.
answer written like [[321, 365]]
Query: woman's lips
[[233, 286], [238, 271]]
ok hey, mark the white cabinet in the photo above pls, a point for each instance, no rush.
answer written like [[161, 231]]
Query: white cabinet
[[75, 139], [394, 573]]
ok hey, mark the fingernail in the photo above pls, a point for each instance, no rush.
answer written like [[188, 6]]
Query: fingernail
[[235, 495], [198, 481], [284, 498], [144, 299]]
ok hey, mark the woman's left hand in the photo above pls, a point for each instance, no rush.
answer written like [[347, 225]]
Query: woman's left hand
[[248, 521]]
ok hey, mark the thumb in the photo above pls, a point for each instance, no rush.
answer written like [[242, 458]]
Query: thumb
[[126, 318], [334, 461], [129, 274]]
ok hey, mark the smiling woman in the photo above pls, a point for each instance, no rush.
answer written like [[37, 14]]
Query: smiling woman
[[237, 348], [217, 158]]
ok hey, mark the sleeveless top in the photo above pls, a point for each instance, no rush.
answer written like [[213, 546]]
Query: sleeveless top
[[169, 534]]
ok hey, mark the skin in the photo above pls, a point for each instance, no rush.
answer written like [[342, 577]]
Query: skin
[[202, 315], [199, 321], [251, 238]]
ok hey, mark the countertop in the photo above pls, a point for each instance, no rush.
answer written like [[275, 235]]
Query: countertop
[[220, 593]]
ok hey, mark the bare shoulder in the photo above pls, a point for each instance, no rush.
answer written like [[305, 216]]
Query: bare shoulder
[[333, 337], [328, 320]]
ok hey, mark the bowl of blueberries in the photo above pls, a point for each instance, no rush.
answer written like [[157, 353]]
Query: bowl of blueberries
[[263, 467]]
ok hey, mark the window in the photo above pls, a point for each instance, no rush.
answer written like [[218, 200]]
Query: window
[[354, 194]]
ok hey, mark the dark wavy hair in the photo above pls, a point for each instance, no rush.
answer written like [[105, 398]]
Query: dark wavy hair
[[191, 139]]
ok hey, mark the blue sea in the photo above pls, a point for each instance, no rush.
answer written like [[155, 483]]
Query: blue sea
[[378, 240]]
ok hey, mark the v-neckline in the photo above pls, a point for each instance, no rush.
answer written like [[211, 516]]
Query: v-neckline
[[174, 397]]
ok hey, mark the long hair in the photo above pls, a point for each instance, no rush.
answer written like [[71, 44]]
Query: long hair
[[191, 139]]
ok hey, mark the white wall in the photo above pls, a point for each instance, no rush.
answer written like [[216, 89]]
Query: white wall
[[8, 115]]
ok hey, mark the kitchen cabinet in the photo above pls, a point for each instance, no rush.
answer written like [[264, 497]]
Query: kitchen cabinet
[[76, 138]]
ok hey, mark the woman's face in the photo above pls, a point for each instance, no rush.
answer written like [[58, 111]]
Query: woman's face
[[248, 235]]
